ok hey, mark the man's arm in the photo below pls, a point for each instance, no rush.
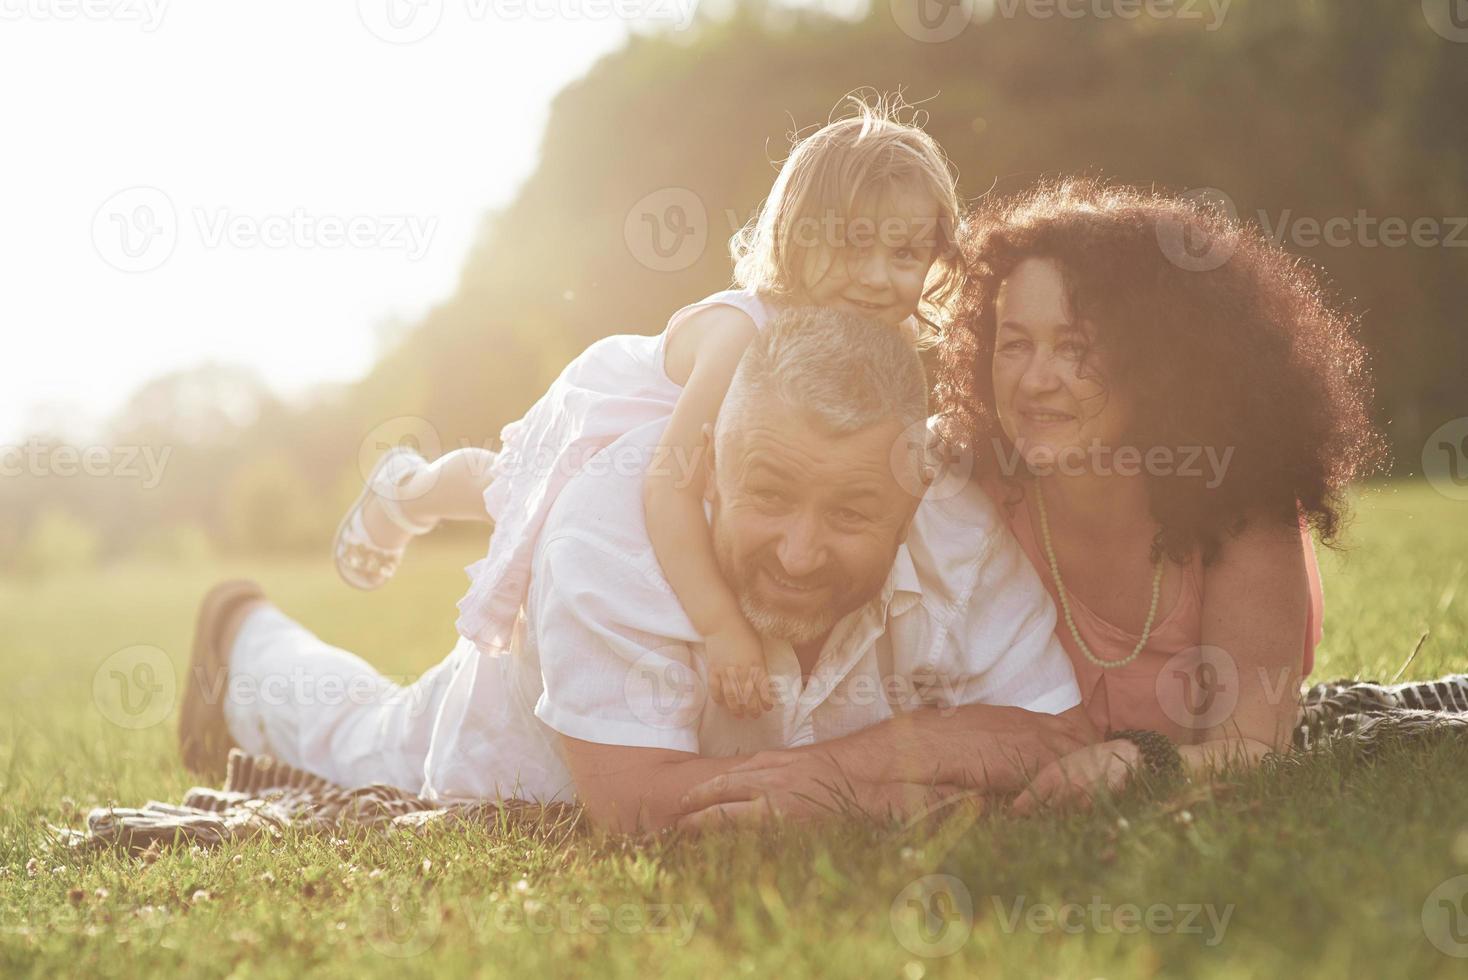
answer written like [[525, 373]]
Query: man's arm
[[627, 789], [983, 747]]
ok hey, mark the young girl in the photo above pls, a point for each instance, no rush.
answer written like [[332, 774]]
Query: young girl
[[862, 217]]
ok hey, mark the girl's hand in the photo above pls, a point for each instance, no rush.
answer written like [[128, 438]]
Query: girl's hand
[[1080, 776], [737, 678]]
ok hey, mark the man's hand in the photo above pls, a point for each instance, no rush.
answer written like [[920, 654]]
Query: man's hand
[[990, 748], [1077, 778], [800, 785]]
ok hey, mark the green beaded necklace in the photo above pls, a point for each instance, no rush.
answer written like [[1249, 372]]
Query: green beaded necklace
[[1065, 601]]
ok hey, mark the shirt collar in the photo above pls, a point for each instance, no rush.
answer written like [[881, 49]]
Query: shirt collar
[[903, 589]]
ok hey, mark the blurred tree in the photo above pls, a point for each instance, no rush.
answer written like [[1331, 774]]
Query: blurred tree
[[1294, 108], [268, 506], [57, 542]]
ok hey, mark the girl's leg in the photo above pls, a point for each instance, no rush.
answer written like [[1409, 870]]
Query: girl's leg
[[450, 488]]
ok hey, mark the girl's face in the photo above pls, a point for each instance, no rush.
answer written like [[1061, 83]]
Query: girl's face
[[873, 263], [1051, 399]]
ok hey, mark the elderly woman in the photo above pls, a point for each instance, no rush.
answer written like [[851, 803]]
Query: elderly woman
[[1165, 405]]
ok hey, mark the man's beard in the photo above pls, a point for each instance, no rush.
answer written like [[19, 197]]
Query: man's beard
[[772, 620], [769, 620]]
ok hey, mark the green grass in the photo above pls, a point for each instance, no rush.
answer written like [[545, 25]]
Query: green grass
[[1323, 872]]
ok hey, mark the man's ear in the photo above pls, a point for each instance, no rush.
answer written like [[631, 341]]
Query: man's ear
[[710, 492]]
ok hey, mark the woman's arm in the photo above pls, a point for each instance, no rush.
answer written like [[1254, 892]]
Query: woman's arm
[[1256, 603], [1255, 606], [702, 355]]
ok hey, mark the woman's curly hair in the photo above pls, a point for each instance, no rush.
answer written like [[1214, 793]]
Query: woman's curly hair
[[1234, 346]]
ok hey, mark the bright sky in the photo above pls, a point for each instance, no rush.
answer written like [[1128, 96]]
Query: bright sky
[[260, 183]]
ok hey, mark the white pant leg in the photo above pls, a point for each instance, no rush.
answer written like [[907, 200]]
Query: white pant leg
[[327, 711]]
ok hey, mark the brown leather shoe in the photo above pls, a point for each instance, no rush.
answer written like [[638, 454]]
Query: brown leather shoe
[[203, 736]]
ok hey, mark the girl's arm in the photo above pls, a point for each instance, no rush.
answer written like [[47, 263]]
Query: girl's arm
[[701, 355]]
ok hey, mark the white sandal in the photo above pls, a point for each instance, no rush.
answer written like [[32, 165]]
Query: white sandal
[[360, 561]]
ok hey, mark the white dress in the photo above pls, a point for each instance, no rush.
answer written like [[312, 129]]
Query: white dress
[[616, 385]]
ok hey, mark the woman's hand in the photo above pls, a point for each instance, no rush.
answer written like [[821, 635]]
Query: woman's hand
[[1077, 778]]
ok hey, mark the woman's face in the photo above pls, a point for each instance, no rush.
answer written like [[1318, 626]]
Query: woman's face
[[1051, 398]]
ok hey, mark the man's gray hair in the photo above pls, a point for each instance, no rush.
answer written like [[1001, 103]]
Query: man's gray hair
[[843, 372]]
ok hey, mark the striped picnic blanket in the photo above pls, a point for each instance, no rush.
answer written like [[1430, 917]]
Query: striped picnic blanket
[[263, 796]]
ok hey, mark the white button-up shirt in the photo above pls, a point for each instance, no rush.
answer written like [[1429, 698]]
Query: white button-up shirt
[[604, 652]]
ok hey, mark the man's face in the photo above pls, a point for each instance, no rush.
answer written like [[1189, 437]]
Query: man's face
[[805, 524]]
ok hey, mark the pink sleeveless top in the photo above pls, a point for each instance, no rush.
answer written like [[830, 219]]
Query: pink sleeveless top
[[1175, 686], [614, 386]]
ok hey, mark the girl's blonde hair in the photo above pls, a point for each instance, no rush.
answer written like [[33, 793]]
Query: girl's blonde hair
[[850, 162]]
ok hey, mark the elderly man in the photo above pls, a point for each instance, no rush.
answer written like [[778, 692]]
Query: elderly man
[[909, 643]]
